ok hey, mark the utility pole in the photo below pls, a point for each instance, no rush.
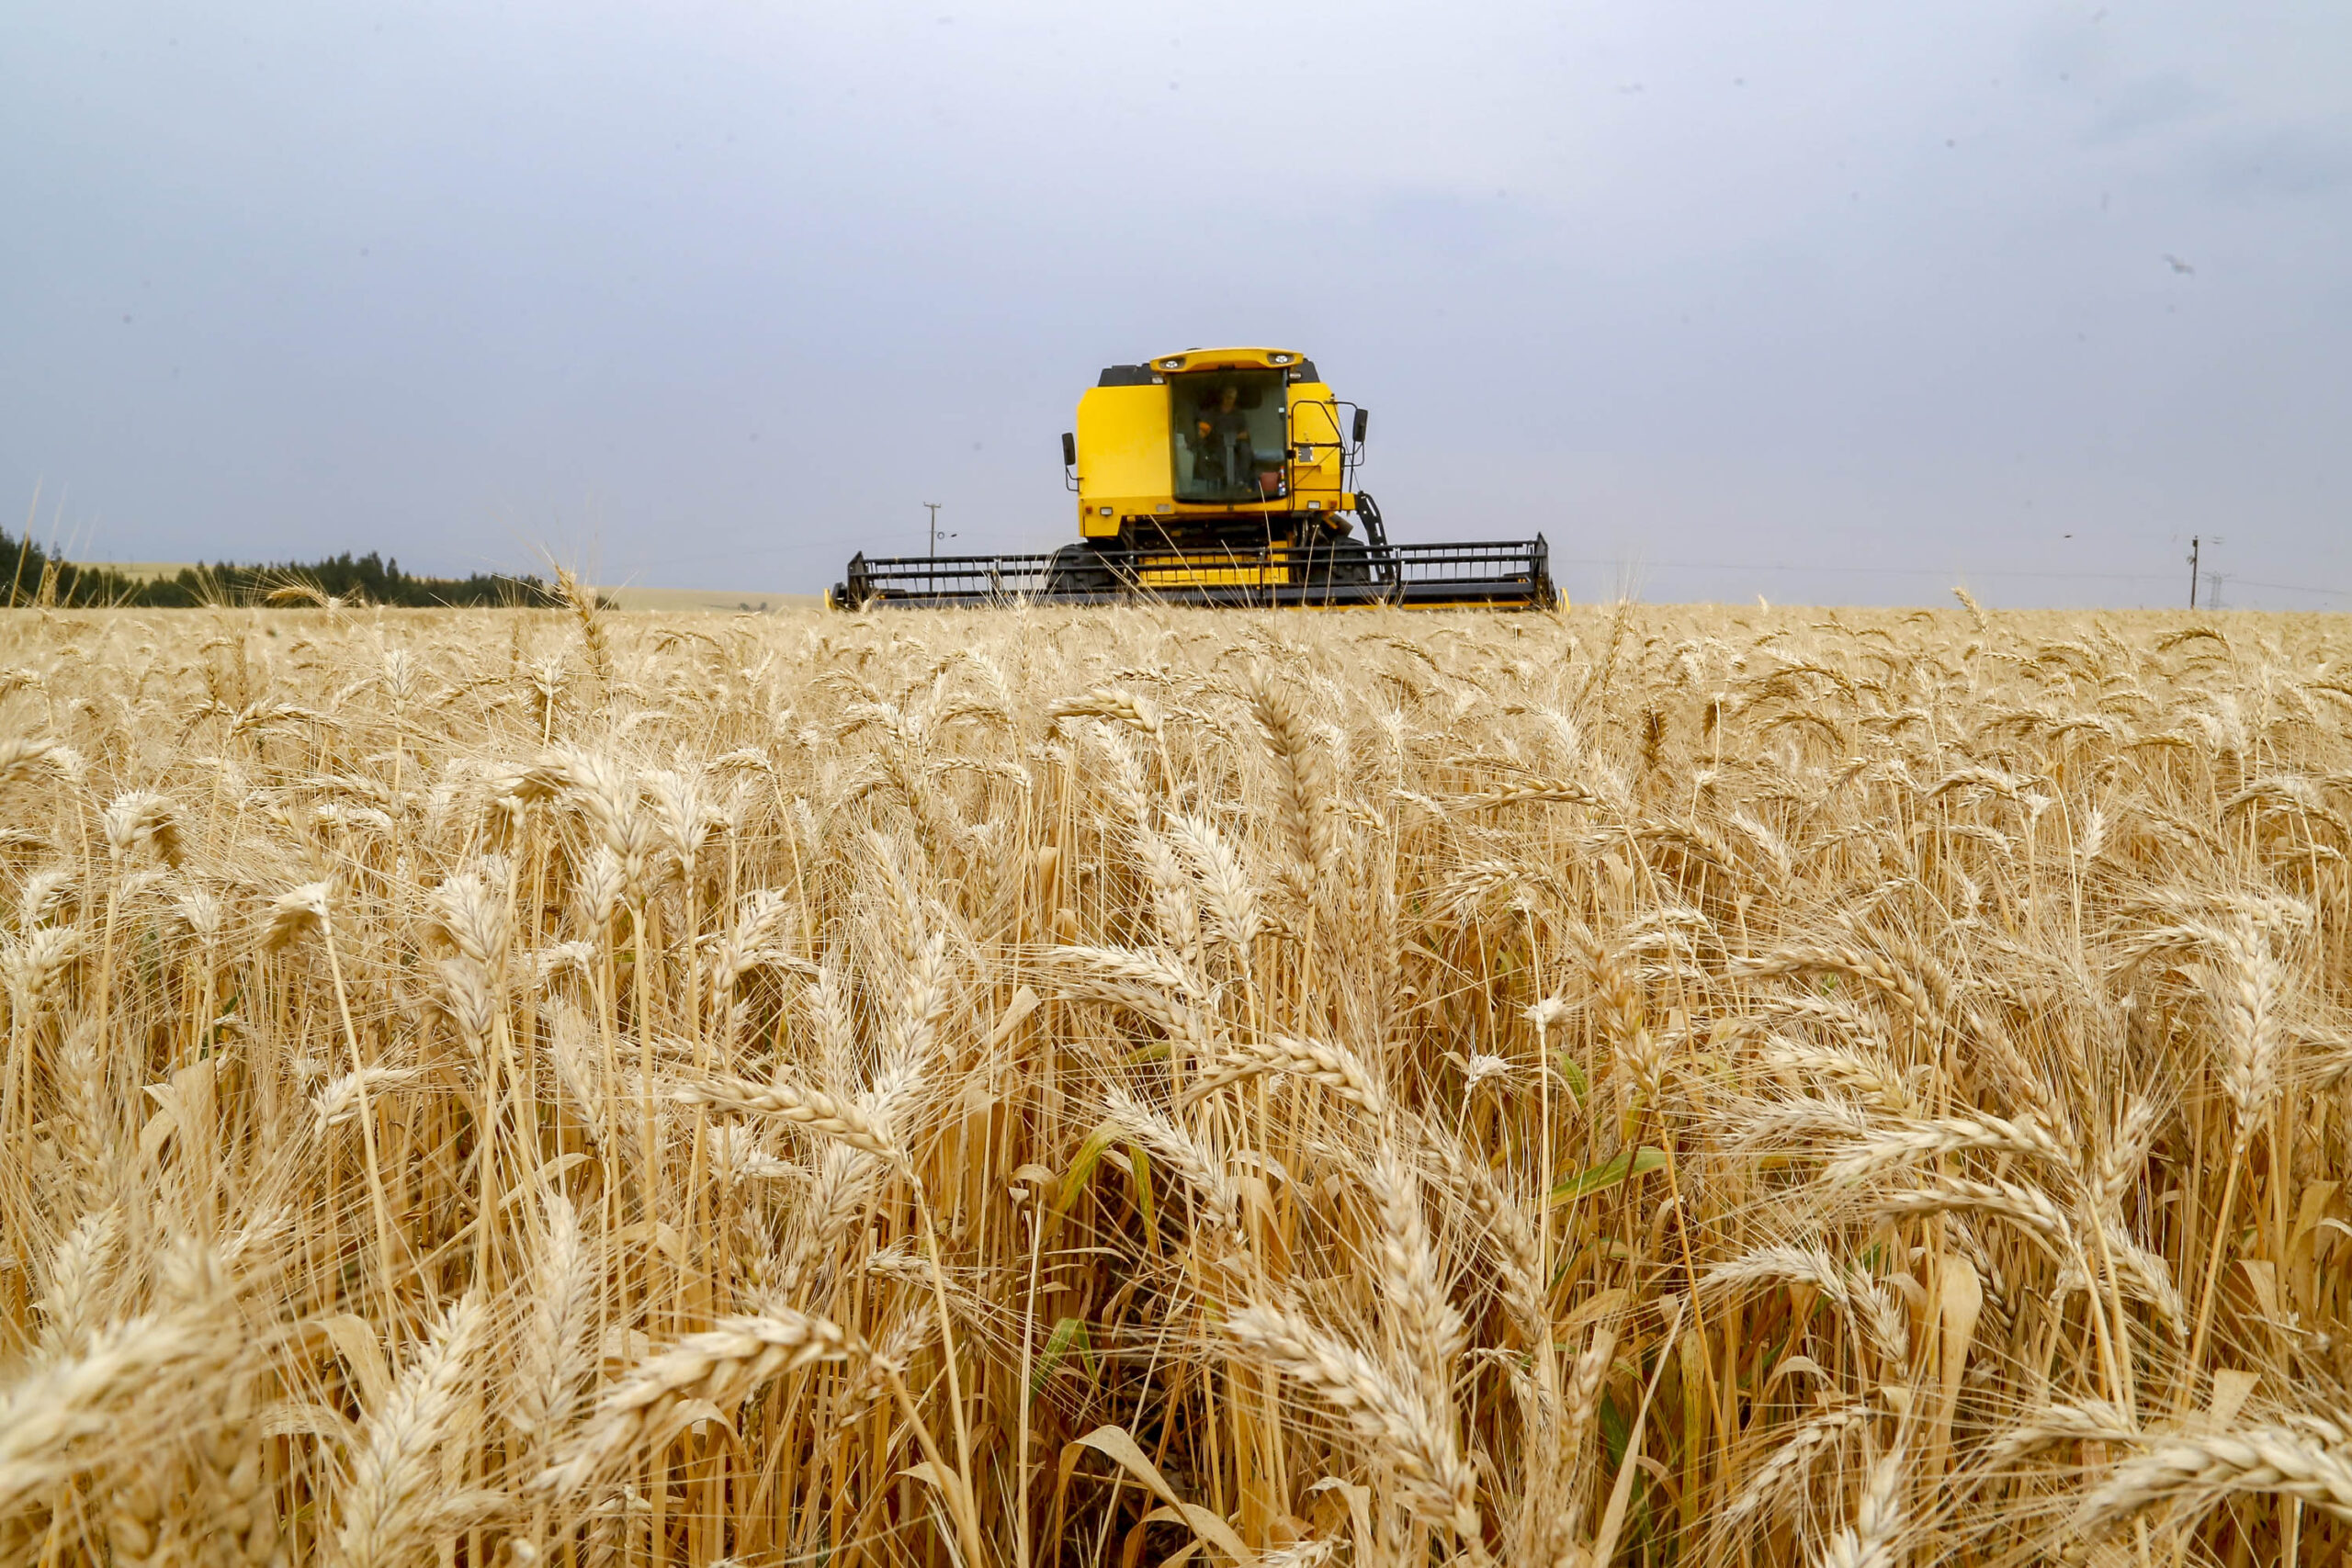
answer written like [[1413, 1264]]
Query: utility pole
[[2196, 547], [935, 543]]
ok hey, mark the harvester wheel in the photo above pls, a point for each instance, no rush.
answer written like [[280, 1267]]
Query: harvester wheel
[[1077, 569], [1341, 562], [1350, 562]]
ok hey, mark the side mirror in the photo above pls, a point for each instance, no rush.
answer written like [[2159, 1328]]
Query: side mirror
[[1363, 418], [1070, 450]]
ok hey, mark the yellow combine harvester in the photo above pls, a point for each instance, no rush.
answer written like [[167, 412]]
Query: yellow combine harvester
[[1220, 477]]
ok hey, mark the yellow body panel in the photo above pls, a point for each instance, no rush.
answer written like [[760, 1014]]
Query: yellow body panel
[[1197, 572], [1317, 441], [1122, 455], [1226, 359]]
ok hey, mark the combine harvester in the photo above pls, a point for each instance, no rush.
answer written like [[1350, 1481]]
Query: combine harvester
[[1216, 476]]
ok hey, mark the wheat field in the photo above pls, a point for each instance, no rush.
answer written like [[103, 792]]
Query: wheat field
[[1051, 1089]]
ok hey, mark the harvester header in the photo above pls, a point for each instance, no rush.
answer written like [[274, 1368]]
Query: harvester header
[[1217, 477]]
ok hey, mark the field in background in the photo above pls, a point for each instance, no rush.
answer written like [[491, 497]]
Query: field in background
[[142, 571], [1048, 1087], [625, 597], [689, 600]]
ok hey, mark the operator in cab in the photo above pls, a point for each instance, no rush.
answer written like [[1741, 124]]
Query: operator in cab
[[1225, 450], [1221, 446]]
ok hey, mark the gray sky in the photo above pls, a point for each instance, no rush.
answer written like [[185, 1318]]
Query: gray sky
[[1828, 301]]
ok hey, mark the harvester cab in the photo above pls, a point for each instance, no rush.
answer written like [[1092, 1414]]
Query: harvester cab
[[1217, 477]]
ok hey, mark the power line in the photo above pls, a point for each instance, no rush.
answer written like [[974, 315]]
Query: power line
[[1857, 570], [1929, 571], [2293, 588]]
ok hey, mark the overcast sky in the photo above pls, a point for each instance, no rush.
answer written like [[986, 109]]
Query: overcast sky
[[1826, 302]]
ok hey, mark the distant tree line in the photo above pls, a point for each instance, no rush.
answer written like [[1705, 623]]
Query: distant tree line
[[37, 576]]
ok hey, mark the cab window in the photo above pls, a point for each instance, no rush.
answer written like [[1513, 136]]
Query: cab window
[[1230, 443]]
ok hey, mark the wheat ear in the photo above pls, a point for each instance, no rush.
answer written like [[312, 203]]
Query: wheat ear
[[809, 1107], [389, 1498], [2200, 1471], [721, 1365], [1397, 1425]]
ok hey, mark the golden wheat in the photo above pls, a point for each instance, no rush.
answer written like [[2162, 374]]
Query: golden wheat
[[1044, 1089]]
